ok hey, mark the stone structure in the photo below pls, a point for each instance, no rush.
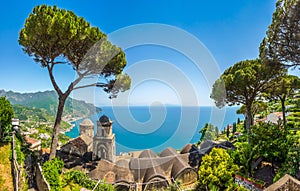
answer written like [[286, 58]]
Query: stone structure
[[87, 128], [77, 147], [148, 171], [104, 146], [82, 144], [88, 146], [41, 181], [285, 183], [143, 170]]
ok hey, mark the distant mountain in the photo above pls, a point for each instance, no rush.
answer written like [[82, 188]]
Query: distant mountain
[[48, 101], [36, 114]]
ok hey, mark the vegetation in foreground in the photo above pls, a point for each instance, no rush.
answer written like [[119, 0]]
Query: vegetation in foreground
[[70, 180], [6, 179]]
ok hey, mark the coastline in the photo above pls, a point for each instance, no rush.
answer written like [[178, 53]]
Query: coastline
[[64, 131], [127, 139], [70, 121]]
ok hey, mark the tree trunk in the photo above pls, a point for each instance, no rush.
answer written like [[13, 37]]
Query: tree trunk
[[249, 120], [283, 111], [56, 129]]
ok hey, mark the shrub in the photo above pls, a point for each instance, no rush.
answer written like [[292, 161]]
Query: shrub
[[80, 178], [216, 170], [20, 154], [51, 171]]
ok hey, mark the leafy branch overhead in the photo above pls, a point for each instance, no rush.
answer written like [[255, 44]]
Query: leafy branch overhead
[[244, 83], [54, 36], [282, 43]]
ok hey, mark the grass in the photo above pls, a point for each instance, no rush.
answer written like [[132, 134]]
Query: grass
[[6, 179]]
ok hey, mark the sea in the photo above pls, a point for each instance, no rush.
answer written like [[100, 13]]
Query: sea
[[156, 128]]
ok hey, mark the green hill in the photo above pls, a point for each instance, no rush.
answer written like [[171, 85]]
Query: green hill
[[45, 103]]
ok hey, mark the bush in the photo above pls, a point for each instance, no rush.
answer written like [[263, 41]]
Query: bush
[[51, 171], [6, 114], [216, 170], [292, 118], [20, 154], [296, 114], [292, 160], [80, 178]]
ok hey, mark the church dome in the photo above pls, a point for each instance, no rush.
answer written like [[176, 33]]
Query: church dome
[[104, 119], [86, 122]]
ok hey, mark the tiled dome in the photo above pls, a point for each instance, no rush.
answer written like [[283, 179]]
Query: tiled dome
[[104, 119]]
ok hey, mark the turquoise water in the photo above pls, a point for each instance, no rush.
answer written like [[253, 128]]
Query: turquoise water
[[138, 128]]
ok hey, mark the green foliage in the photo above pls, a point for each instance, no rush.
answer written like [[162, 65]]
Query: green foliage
[[292, 118], [54, 36], [213, 187], [270, 140], [43, 105], [292, 160], [236, 187], [51, 171], [243, 83], [242, 156], [6, 114], [227, 131], [282, 42], [217, 169], [240, 127], [234, 127], [208, 132], [19, 152], [174, 186], [6, 179], [256, 108], [71, 180], [63, 138], [80, 178], [23, 113], [285, 87], [2, 184]]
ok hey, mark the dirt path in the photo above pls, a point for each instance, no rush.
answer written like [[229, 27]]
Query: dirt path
[[6, 179]]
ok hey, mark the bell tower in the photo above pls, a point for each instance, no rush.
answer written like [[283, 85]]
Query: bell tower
[[104, 142]]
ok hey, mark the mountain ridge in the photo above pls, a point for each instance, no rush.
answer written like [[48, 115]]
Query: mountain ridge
[[48, 101]]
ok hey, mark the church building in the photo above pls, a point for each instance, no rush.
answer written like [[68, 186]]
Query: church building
[[104, 146]]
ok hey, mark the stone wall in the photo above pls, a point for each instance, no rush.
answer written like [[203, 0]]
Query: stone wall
[[285, 183], [15, 165], [41, 182], [248, 184]]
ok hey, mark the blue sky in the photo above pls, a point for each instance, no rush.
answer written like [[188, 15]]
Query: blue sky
[[230, 30]]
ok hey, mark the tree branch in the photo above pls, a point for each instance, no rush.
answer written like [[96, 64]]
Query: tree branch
[[57, 89], [75, 82], [91, 85], [60, 62]]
